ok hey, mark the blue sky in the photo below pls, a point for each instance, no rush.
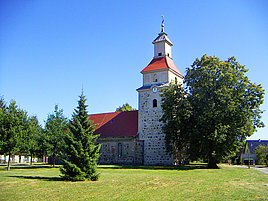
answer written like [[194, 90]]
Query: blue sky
[[49, 49]]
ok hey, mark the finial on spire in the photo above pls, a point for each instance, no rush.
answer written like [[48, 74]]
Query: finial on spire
[[162, 25], [82, 90]]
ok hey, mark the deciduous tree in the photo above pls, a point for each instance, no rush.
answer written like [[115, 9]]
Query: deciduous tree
[[223, 108], [176, 111], [13, 125], [124, 108], [55, 131], [29, 144], [262, 154]]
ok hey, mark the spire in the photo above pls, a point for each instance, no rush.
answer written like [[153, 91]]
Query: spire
[[162, 36], [162, 25], [162, 44]]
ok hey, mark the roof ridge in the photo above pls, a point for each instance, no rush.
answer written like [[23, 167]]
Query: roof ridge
[[159, 64], [103, 119], [175, 67], [104, 113], [166, 61], [153, 61]]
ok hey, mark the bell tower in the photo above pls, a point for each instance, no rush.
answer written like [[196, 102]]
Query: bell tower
[[158, 74], [162, 44]]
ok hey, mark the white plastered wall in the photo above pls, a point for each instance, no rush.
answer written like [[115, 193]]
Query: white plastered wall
[[162, 76], [163, 48], [172, 76]]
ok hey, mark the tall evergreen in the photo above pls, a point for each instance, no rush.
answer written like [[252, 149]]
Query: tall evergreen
[[81, 152]]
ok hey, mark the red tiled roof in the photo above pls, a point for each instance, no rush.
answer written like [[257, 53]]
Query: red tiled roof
[[162, 63], [116, 124]]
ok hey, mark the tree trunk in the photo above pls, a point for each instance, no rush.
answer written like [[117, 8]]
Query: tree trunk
[[53, 159], [8, 166], [212, 163], [31, 161]]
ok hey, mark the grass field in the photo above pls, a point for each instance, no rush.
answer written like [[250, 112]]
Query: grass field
[[136, 183]]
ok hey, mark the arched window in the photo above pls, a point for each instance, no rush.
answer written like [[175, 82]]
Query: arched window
[[154, 103], [155, 78], [120, 150]]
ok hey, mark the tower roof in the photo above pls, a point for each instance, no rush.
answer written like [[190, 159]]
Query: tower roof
[[161, 64], [162, 37]]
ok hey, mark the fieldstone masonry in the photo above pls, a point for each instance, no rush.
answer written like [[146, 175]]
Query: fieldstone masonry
[[150, 129], [123, 151]]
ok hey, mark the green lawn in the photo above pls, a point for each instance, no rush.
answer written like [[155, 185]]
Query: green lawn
[[136, 183]]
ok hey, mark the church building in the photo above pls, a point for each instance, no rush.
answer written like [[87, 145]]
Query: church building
[[136, 137]]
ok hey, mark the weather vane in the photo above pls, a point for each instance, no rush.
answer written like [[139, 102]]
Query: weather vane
[[162, 25]]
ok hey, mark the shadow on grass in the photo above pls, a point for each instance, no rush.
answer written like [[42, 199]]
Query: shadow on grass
[[4, 167], [40, 178], [184, 167]]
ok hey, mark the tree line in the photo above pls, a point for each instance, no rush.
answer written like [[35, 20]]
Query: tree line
[[72, 140]]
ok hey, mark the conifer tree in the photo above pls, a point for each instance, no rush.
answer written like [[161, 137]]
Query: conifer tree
[[81, 152]]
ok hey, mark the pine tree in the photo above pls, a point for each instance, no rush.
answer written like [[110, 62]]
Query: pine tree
[[81, 152]]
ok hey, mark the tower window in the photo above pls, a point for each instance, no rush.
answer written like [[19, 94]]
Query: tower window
[[159, 54], [154, 103], [155, 78]]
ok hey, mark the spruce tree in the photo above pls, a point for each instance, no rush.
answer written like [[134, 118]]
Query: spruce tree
[[81, 154]]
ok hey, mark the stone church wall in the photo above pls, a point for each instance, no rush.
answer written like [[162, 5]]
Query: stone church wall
[[139, 153], [121, 151]]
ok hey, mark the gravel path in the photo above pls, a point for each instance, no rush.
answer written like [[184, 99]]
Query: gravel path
[[261, 169]]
